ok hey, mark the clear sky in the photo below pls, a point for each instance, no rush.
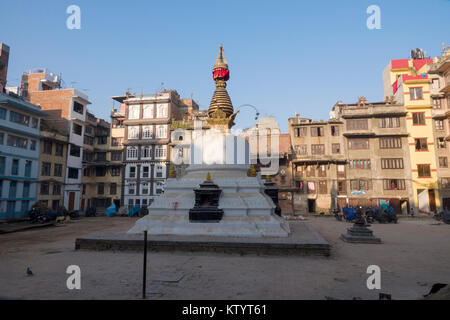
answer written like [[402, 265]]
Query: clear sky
[[285, 57]]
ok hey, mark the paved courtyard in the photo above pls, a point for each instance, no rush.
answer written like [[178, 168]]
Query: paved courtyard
[[414, 255]]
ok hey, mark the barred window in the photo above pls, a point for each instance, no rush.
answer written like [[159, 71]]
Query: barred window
[[359, 164], [390, 143], [360, 184], [323, 187], [336, 148], [424, 170], [301, 132], [389, 122], [358, 144], [393, 184], [421, 144], [317, 149], [301, 149], [395, 163], [443, 162], [357, 124], [439, 124]]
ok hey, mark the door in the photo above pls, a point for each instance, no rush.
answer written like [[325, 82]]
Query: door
[[311, 205], [432, 199], [71, 201], [422, 197]]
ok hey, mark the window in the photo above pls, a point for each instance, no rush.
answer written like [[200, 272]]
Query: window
[[396, 163], [45, 169], [47, 147], [3, 113], [145, 171], [132, 172], [75, 151], [28, 164], [78, 107], [88, 140], [26, 190], [145, 188], [424, 170], [131, 153], [443, 162], [334, 131], [421, 144], [115, 171], [77, 129], [394, 184], [415, 93], [390, 143], [19, 118], [57, 170], [440, 143], [88, 130], [56, 189], [101, 156], [101, 188], [33, 145], [418, 118], [389, 122], [131, 188], [113, 188], [439, 124], [357, 124], [435, 83], [55, 205], [15, 167], [342, 187], [73, 173], [147, 132], [133, 132], [2, 135], [322, 171], [358, 144], [160, 152], [360, 184], [12, 189], [59, 149], [437, 103], [146, 152], [2, 166], [45, 188], [159, 187], [18, 142], [336, 148], [159, 171], [34, 123], [102, 140], [316, 131], [317, 149], [133, 111], [116, 142], [301, 149], [323, 187], [100, 171], [444, 183], [359, 164], [301, 132], [162, 110], [161, 131], [148, 111], [116, 156], [310, 172]]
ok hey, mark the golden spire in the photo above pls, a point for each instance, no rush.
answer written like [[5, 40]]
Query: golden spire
[[221, 110]]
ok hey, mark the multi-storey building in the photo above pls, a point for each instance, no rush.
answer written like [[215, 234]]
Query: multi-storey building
[[407, 80], [116, 146], [54, 147], [43, 88], [318, 164], [19, 155], [100, 188], [147, 137], [376, 148], [439, 73]]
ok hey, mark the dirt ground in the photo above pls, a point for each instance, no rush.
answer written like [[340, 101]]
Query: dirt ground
[[414, 255]]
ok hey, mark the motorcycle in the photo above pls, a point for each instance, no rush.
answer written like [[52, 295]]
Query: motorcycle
[[337, 214]]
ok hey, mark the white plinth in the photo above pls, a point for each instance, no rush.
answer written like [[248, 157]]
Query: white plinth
[[248, 211]]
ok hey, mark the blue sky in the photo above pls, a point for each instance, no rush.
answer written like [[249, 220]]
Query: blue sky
[[285, 57]]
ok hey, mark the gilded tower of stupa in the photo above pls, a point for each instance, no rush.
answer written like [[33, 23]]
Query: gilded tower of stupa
[[220, 113]]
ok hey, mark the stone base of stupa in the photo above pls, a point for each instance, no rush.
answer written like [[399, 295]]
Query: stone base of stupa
[[248, 211]]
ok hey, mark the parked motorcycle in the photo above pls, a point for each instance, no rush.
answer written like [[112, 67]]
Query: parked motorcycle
[[337, 214]]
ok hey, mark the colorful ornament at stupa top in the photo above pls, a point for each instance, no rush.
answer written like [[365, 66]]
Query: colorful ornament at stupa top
[[221, 113]]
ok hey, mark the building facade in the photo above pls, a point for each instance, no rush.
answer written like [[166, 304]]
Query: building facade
[[147, 126], [43, 88], [407, 80], [19, 155], [53, 150]]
